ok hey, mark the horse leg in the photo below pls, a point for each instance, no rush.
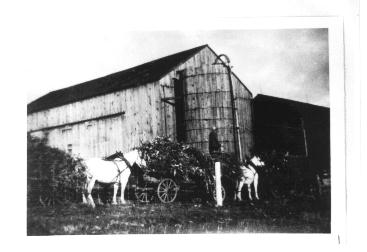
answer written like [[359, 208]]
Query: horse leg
[[84, 200], [239, 189], [89, 191], [84, 191], [115, 188], [99, 201], [124, 178], [256, 180], [249, 191], [236, 189]]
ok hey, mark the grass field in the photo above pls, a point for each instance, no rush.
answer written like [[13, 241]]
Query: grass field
[[280, 216]]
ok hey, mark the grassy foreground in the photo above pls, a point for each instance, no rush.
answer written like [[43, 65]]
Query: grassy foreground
[[178, 218]]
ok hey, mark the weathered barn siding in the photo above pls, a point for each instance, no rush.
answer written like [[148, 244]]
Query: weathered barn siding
[[101, 125], [100, 137], [208, 103], [244, 116]]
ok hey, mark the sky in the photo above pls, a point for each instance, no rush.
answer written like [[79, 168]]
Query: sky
[[287, 63]]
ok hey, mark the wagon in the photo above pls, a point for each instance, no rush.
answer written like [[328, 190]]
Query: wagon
[[167, 187]]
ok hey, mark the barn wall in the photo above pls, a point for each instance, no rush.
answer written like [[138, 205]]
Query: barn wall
[[103, 136], [244, 115], [208, 78], [203, 58], [208, 104]]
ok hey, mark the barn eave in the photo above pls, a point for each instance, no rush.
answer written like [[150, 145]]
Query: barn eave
[[133, 77]]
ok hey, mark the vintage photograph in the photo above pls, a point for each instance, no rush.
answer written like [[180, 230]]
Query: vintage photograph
[[185, 132]]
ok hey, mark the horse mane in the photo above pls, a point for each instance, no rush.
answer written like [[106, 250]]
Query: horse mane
[[112, 157]]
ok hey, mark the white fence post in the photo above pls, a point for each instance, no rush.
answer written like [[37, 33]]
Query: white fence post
[[218, 184]]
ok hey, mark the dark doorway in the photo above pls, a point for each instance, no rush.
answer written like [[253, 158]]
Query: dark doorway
[[179, 89]]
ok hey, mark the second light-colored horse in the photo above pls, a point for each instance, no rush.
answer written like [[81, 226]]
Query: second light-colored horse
[[110, 172], [248, 176]]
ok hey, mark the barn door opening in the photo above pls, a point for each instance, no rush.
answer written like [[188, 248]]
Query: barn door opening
[[179, 90]]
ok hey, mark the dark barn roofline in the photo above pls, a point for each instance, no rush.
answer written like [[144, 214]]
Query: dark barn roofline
[[262, 97], [135, 76]]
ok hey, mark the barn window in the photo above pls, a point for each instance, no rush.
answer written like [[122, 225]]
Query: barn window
[[70, 148], [179, 91]]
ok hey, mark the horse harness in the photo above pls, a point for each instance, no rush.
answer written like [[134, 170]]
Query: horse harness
[[128, 166], [250, 166]]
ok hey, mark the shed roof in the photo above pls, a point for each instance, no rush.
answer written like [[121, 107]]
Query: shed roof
[[301, 106], [142, 74]]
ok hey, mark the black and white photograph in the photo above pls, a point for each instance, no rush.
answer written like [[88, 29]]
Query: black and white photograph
[[146, 147], [149, 125]]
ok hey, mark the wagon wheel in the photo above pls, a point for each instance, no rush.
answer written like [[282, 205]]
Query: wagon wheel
[[45, 200], [223, 194], [167, 190], [141, 195], [49, 200]]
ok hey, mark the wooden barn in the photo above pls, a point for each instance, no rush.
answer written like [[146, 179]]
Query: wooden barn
[[299, 128], [181, 96]]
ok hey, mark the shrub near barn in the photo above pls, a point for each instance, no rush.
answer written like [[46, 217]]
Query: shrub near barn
[[53, 175]]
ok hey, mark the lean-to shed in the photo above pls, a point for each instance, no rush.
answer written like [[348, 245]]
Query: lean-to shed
[[301, 129], [182, 96]]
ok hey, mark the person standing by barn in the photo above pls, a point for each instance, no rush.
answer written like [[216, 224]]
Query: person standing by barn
[[214, 145]]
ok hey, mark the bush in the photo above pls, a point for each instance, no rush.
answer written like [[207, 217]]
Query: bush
[[53, 175], [287, 176]]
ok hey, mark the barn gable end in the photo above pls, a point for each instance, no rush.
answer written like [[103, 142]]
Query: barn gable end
[[202, 64]]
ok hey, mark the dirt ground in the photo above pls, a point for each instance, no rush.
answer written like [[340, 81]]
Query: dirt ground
[[275, 216]]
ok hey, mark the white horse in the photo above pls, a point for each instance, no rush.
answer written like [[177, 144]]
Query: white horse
[[110, 172], [248, 176]]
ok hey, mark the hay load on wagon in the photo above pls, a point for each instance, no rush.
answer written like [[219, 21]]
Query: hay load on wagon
[[172, 167], [166, 158]]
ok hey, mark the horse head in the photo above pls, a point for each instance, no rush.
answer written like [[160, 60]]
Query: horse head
[[139, 158], [256, 160], [119, 154]]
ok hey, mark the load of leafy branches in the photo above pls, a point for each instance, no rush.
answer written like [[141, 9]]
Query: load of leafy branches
[[166, 158], [53, 175]]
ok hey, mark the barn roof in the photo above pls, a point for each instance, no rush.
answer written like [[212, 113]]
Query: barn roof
[[275, 110], [145, 73], [301, 106]]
